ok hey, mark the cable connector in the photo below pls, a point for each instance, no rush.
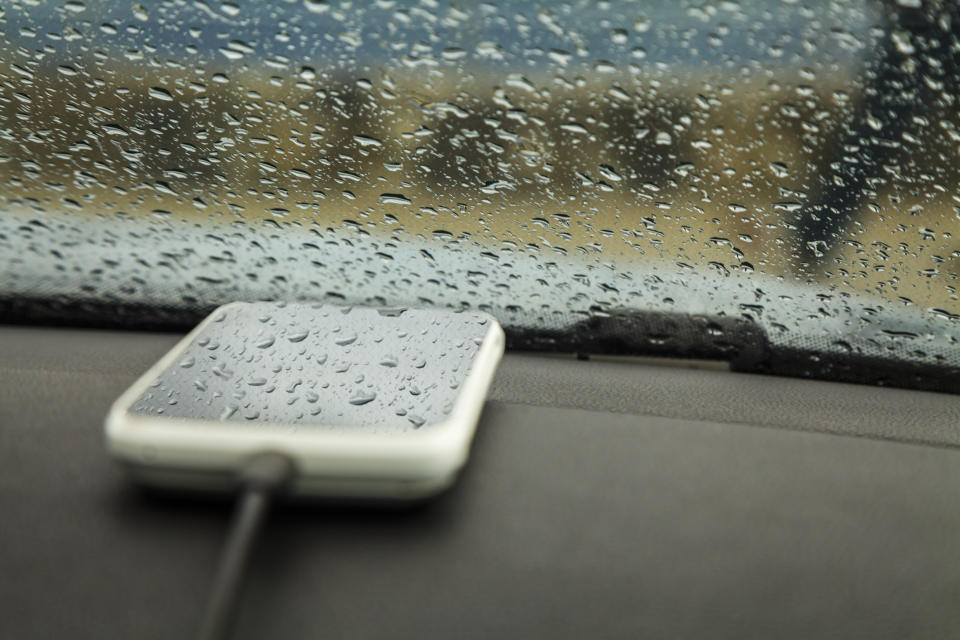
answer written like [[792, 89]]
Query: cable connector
[[267, 471]]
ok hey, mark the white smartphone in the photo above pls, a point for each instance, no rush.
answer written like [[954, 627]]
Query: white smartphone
[[366, 402]]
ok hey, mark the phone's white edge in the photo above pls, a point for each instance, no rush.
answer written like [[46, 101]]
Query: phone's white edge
[[328, 462]]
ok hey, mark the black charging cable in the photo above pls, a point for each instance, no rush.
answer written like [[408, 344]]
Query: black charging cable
[[260, 479]]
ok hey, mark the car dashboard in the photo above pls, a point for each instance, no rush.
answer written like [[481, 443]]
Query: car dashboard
[[603, 498]]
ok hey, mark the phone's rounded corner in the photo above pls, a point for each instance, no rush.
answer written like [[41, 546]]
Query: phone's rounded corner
[[490, 319], [116, 425], [446, 446]]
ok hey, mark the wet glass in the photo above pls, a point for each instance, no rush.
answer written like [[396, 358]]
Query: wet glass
[[770, 182]]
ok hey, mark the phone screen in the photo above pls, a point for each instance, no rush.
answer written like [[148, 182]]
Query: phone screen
[[320, 366]]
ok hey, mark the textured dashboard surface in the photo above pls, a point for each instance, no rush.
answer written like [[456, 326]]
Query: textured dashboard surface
[[601, 500]]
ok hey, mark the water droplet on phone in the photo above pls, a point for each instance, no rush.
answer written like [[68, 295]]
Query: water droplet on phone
[[362, 397], [416, 421], [298, 335]]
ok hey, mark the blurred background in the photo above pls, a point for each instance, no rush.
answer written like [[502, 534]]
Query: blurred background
[[148, 151]]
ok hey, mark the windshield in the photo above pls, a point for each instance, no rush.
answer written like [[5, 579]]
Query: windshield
[[769, 182]]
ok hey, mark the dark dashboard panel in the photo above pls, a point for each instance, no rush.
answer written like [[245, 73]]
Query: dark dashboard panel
[[655, 517]]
